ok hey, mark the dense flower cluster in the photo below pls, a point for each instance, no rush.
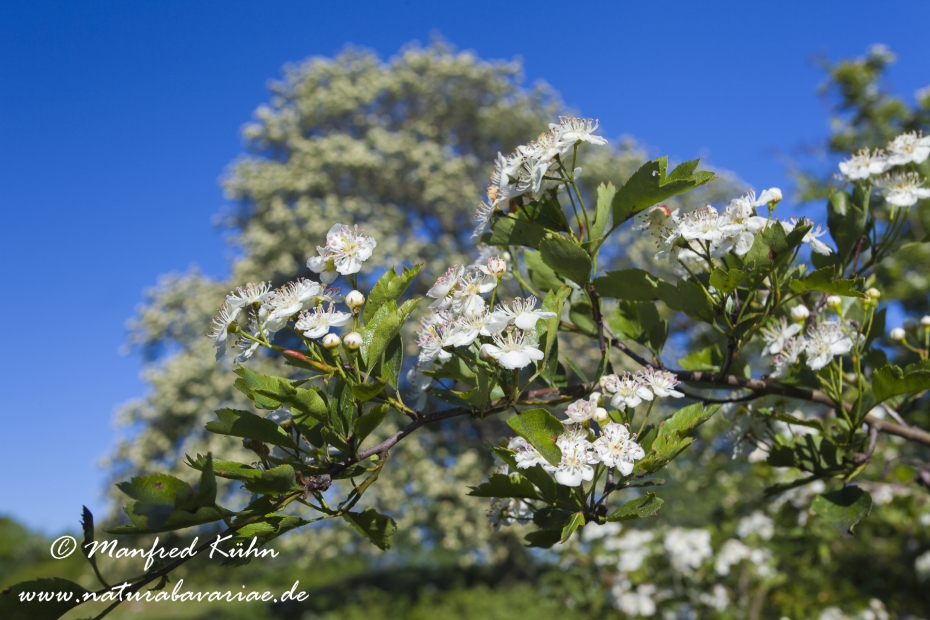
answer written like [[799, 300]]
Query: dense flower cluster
[[535, 167], [630, 389], [614, 447], [901, 189], [255, 312], [822, 341]]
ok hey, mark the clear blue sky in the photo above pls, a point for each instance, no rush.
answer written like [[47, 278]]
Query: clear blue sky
[[117, 118]]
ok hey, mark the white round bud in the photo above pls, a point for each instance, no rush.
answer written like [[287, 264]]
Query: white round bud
[[873, 293], [355, 299], [331, 341], [497, 266], [834, 301], [485, 353], [897, 334], [596, 397], [352, 341], [925, 321], [600, 415], [800, 313]]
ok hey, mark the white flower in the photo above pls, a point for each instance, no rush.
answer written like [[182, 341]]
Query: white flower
[[249, 346], [513, 350], [777, 333], [494, 266], [902, 189], [922, 565], [355, 299], [825, 341], [352, 341], [249, 294], [526, 455], [465, 329], [580, 411], [507, 511], [467, 295], [772, 194], [221, 322], [283, 303], [812, 236], [316, 324], [432, 337], [639, 602], [756, 523], [925, 321], [660, 221], [907, 148], [705, 224], [864, 164], [661, 382], [897, 334], [345, 251], [718, 598], [520, 312], [800, 313], [732, 552], [616, 449], [687, 549], [444, 285], [627, 389], [569, 131], [788, 356], [577, 458]]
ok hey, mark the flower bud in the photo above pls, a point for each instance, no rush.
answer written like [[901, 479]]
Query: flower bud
[[925, 321], [354, 300], [596, 397], [769, 196], [331, 341], [873, 293], [352, 341], [484, 353], [897, 334], [600, 415], [834, 301], [800, 313], [497, 266]]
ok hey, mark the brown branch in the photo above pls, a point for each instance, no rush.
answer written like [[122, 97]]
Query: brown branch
[[774, 388]]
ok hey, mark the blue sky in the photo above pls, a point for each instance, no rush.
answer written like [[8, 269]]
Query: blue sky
[[117, 118]]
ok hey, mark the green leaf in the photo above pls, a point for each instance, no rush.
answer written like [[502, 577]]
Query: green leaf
[[514, 229], [245, 424], [727, 281], [205, 495], [374, 526], [506, 485], [384, 326], [581, 314], [843, 509], [689, 298], [639, 508], [640, 321], [553, 302], [540, 428], [649, 186], [270, 527], [58, 597], [629, 284], [366, 391], [543, 538], [249, 383], [543, 278], [389, 287], [552, 518], [365, 424], [889, 381], [825, 280], [547, 212], [149, 518], [708, 359], [846, 219], [576, 521], [605, 198], [769, 247], [672, 437], [566, 258], [278, 479], [156, 489], [393, 361]]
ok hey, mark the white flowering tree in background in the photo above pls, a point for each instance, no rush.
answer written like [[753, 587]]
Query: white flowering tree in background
[[771, 328]]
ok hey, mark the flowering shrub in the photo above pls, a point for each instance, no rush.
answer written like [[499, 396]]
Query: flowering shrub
[[582, 449]]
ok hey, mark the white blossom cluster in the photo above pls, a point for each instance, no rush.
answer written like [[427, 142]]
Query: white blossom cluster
[[901, 188], [535, 167], [630, 389], [255, 312], [614, 447], [821, 342], [708, 233], [459, 315]]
